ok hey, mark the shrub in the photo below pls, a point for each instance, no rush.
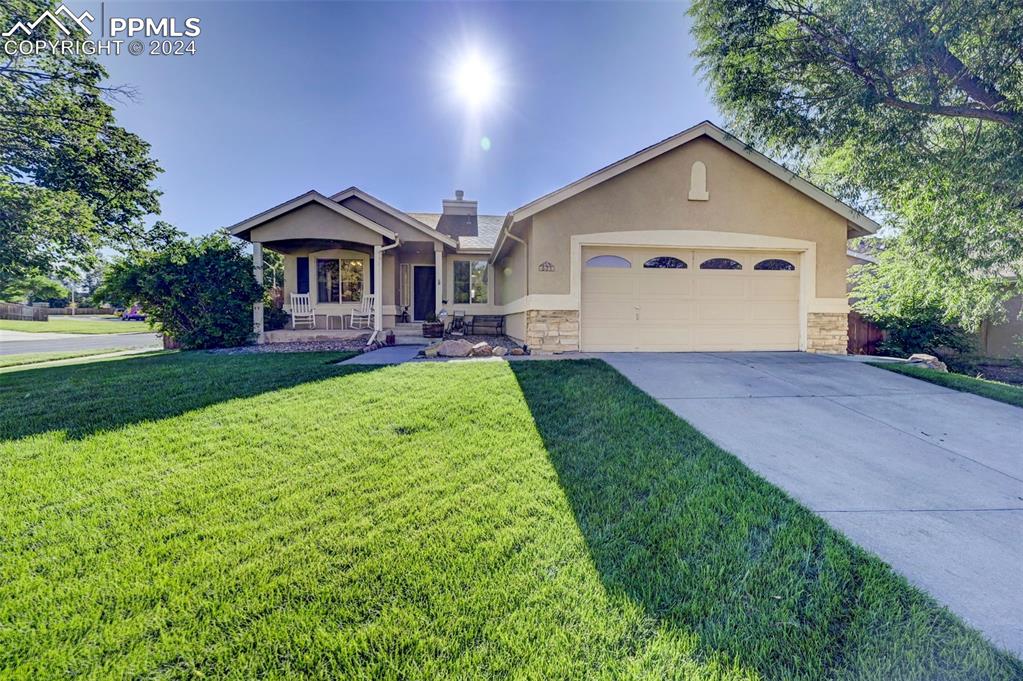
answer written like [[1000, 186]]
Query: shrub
[[274, 316], [199, 291], [923, 331]]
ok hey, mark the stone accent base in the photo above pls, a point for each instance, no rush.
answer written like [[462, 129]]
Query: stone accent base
[[827, 332], [552, 331]]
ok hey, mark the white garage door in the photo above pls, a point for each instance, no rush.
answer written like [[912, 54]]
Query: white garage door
[[664, 299]]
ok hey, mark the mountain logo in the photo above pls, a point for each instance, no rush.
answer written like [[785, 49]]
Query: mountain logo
[[62, 11]]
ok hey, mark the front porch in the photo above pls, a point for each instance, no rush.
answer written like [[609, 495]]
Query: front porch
[[341, 258]]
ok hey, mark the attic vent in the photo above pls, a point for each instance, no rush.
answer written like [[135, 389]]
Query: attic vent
[[698, 182]]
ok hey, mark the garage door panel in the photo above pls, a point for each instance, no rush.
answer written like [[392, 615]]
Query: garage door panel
[[721, 286], [775, 311], [668, 310], [690, 309], [657, 282], [722, 311], [767, 287], [620, 282]]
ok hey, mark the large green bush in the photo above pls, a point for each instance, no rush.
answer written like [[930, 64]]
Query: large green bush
[[199, 291]]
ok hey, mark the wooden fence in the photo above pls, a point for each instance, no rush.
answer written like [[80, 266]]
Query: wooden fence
[[24, 312], [863, 336]]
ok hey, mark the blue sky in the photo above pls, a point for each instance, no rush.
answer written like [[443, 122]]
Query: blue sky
[[286, 97]]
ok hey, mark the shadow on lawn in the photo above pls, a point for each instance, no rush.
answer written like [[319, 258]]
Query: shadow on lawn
[[708, 548], [81, 399]]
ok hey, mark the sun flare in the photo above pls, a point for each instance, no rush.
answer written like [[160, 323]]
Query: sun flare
[[475, 81]]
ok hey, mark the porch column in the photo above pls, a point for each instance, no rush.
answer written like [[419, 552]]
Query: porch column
[[257, 307], [438, 259], [378, 288]]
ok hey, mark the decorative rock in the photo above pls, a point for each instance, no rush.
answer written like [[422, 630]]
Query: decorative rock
[[455, 348], [482, 349], [500, 351], [928, 361], [516, 351]]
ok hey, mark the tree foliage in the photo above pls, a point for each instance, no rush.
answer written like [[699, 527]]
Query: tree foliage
[[199, 291], [71, 180], [909, 109], [32, 288]]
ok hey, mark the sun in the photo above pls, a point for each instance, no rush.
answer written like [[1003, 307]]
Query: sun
[[475, 80]]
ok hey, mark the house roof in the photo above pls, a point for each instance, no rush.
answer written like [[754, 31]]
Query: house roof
[[489, 228], [241, 229], [859, 223], [407, 218]]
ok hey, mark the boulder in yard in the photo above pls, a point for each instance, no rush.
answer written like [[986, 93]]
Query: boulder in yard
[[928, 361], [455, 348], [482, 349], [500, 351], [431, 350], [516, 352]]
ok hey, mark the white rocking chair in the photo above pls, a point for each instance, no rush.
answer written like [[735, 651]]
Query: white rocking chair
[[302, 312], [362, 318]]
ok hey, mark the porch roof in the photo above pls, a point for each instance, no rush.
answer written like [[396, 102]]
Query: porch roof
[[298, 230]]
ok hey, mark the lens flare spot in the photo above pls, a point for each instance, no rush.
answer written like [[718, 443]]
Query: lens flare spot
[[485, 144]]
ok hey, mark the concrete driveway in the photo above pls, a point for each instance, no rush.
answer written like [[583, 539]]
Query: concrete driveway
[[928, 478]]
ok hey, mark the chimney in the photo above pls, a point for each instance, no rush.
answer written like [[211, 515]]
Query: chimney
[[458, 217]]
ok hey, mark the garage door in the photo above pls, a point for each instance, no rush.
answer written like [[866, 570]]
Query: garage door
[[644, 299]]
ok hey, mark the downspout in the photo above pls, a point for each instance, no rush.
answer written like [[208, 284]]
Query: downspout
[[380, 294]]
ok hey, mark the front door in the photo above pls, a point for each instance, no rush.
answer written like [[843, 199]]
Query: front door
[[424, 292]]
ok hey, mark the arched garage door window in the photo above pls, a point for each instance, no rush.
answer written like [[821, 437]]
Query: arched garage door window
[[665, 262], [776, 264], [720, 264], [612, 261]]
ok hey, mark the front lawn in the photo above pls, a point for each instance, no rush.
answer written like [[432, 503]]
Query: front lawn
[[1003, 392], [74, 324], [25, 358], [277, 515]]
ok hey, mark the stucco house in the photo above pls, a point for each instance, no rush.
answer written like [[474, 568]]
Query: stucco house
[[698, 242]]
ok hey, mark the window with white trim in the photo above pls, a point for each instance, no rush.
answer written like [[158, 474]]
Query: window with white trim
[[470, 281]]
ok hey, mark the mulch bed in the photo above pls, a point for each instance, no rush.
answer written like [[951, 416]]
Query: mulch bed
[[1010, 373], [299, 346]]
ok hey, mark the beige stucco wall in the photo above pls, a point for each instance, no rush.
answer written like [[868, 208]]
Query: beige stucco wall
[[654, 196], [1004, 340], [313, 221], [515, 326], [510, 275]]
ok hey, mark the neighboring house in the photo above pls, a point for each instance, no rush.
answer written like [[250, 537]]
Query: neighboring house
[[695, 243], [1002, 340]]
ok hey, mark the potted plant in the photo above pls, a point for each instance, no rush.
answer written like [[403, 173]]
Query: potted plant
[[432, 327]]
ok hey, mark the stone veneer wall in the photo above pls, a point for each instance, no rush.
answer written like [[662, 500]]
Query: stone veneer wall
[[552, 330], [827, 332]]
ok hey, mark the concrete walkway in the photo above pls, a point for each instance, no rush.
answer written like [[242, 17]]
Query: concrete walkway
[[393, 354], [928, 478]]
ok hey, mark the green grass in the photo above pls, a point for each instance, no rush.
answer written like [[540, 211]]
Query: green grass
[[74, 324], [995, 390], [276, 515], [37, 357]]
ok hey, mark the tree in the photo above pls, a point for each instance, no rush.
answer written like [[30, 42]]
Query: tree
[[910, 109], [71, 180], [199, 291], [33, 288]]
